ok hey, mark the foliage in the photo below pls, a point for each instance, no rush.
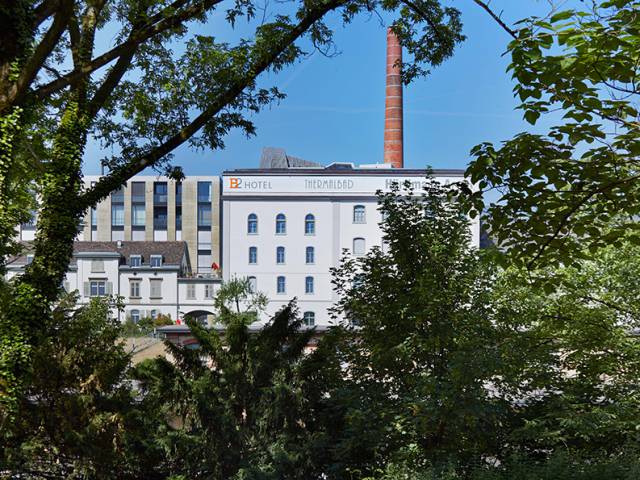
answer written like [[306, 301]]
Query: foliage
[[78, 417], [422, 345], [575, 187], [145, 325], [236, 300], [235, 407]]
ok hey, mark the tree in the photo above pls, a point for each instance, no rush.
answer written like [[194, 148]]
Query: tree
[[78, 417], [238, 406], [141, 99], [577, 185], [421, 346]]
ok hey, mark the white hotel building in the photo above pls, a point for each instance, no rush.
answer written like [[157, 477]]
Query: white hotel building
[[285, 228]]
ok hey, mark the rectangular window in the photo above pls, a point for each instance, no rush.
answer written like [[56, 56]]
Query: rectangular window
[[204, 192], [160, 193], [137, 192], [156, 260], [138, 215], [97, 266], [160, 218], [359, 215], [208, 291], [135, 261], [134, 289], [358, 246], [117, 215], [156, 288], [191, 291], [178, 193], [118, 196], [204, 215], [94, 218], [98, 288], [310, 255], [253, 284], [178, 218], [308, 285]]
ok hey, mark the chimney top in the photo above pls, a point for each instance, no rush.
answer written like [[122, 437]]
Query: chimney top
[[393, 128]]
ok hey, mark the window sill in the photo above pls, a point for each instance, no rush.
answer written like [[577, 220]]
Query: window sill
[[155, 298]]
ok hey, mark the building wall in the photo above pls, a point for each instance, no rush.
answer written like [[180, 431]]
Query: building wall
[[335, 230], [189, 232]]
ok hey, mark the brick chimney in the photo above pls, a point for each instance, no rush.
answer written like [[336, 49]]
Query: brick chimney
[[393, 151]]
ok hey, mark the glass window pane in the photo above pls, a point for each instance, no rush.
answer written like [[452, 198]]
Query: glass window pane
[[138, 215], [204, 191], [359, 214], [204, 215], [310, 255], [117, 215]]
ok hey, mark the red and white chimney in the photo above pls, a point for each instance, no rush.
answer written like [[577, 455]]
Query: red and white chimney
[[393, 150]]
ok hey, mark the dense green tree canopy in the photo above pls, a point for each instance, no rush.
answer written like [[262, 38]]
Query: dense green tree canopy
[[576, 185]]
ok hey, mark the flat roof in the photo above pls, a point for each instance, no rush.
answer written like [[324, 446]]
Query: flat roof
[[388, 172]]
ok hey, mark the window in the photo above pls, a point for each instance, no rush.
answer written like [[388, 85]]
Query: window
[[137, 192], [156, 288], [191, 291], [94, 218], [134, 289], [204, 192], [135, 316], [204, 215], [208, 291], [359, 214], [309, 225], [178, 218], [281, 285], [138, 215], [281, 224], [98, 288], [358, 246], [310, 255], [253, 255], [97, 266], [29, 259], [178, 193], [117, 215], [135, 261], [252, 224], [156, 260], [253, 284], [118, 196], [308, 285], [160, 218], [154, 314], [309, 319], [160, 193], [280, 255]]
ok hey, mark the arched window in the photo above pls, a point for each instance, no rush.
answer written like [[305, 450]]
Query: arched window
[[281, 285], [280, 255], [253, 284], [308, 285], [359, 214], [310, 255], [135, 316], [281, 224], [358, 246], [309, 319], [309, 225], [252, 224], [253, 255]]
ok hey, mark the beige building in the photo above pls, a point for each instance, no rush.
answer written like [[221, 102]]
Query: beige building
[[151, 208]]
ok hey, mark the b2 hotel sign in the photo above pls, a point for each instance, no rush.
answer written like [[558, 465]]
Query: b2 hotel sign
[[318, 185]]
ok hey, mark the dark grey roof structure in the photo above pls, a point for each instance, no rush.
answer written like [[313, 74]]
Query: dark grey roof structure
[[172, 252], [273, 157]]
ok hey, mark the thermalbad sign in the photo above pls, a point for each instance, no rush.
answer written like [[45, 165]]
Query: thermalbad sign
[[318, 185]]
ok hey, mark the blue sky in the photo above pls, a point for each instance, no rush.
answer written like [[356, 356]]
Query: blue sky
[[334, 110]]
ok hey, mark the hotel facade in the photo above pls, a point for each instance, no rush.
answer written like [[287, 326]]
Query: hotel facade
[[285, 228]]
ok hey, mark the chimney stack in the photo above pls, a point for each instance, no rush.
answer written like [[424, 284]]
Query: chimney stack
[[393, 150]]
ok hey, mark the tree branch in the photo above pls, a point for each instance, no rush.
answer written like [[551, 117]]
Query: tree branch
[[17, 92], [158, 24], [121, 174], [565, 218], [418, 11], [497, 18], [44, 11]]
